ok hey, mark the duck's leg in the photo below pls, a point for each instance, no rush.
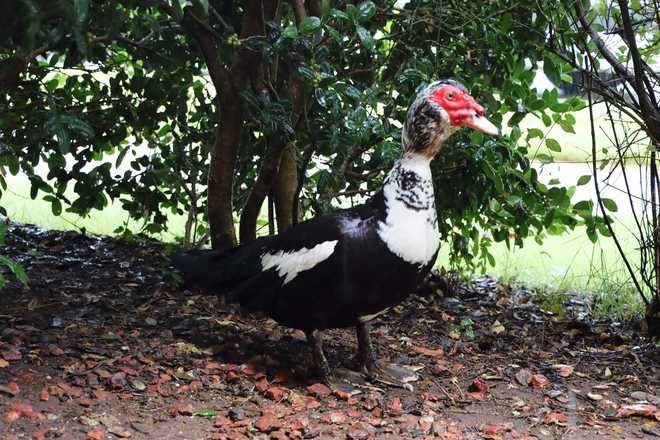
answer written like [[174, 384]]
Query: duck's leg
[[389, 374], [342, 380], [320, 361]]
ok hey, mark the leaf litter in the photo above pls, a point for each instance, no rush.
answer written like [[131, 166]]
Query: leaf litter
[[103, 345]]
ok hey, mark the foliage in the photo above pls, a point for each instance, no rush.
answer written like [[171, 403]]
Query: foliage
[[120, 107], [10, 264], [614, 48]]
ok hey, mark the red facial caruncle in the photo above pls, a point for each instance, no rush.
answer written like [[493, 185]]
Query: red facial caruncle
[[463, 109]]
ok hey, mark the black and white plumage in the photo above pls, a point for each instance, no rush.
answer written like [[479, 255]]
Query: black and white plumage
[[342, 269]]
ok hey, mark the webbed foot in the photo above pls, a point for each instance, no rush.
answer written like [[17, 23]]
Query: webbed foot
[[390, 374], [378, 371]]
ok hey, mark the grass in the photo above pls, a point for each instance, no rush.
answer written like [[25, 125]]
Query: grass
[[21, 208], [576, 147]]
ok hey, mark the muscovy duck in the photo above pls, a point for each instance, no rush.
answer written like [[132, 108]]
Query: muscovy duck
[[342, 269]]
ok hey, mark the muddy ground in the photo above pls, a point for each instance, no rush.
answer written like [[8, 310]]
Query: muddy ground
[[103, 345]]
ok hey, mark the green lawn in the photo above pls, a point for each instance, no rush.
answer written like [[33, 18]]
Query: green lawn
[[21, 208], [575, 147]]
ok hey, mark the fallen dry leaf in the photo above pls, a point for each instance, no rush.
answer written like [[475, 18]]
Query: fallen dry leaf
[[478, 385], [493, 430], [437, 352], [524, 376], [497, 328], [11, 354], [394, 407], [335, 418], [555, 418], [539, 381], [276, 393], [639, 409], [11, 388], [318, 390], [563, 370], [267, 423], [96, 434]]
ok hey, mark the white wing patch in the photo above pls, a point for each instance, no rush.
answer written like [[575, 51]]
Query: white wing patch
[[290, 264]]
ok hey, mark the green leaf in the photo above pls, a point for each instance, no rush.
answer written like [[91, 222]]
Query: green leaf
[[204, 5], [583, 180], [534, 133], [553, 145], [290, 32], [16, 269], [547, 121], [545, 158], [81, 127], [206, 412], [110, 336], [309, 25], [353, 13], [366, 38], [338, 14], [366, 10], [610, 205], [566, 126], [52, 84]]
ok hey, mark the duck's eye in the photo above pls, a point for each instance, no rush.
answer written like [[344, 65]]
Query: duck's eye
[[450, 96]]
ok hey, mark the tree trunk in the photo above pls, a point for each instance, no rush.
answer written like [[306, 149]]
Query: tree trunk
[[286, 183], [268, 172], [221, 173], [229, 83], [285, 187]]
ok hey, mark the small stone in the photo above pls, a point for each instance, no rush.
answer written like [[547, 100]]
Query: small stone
[[595, 397], [136, 384], [88, 420], [151, 322], [236, 413], [113, 425], [140, 427], [644, 396], [118, 380], [358, 434]]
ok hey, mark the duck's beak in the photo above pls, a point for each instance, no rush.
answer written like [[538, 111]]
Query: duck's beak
[[479, 122]]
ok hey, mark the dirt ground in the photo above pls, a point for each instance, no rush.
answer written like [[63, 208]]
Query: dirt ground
[[104, 345]]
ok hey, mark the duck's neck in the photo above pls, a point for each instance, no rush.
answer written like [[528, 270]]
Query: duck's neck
[[410, 182]]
